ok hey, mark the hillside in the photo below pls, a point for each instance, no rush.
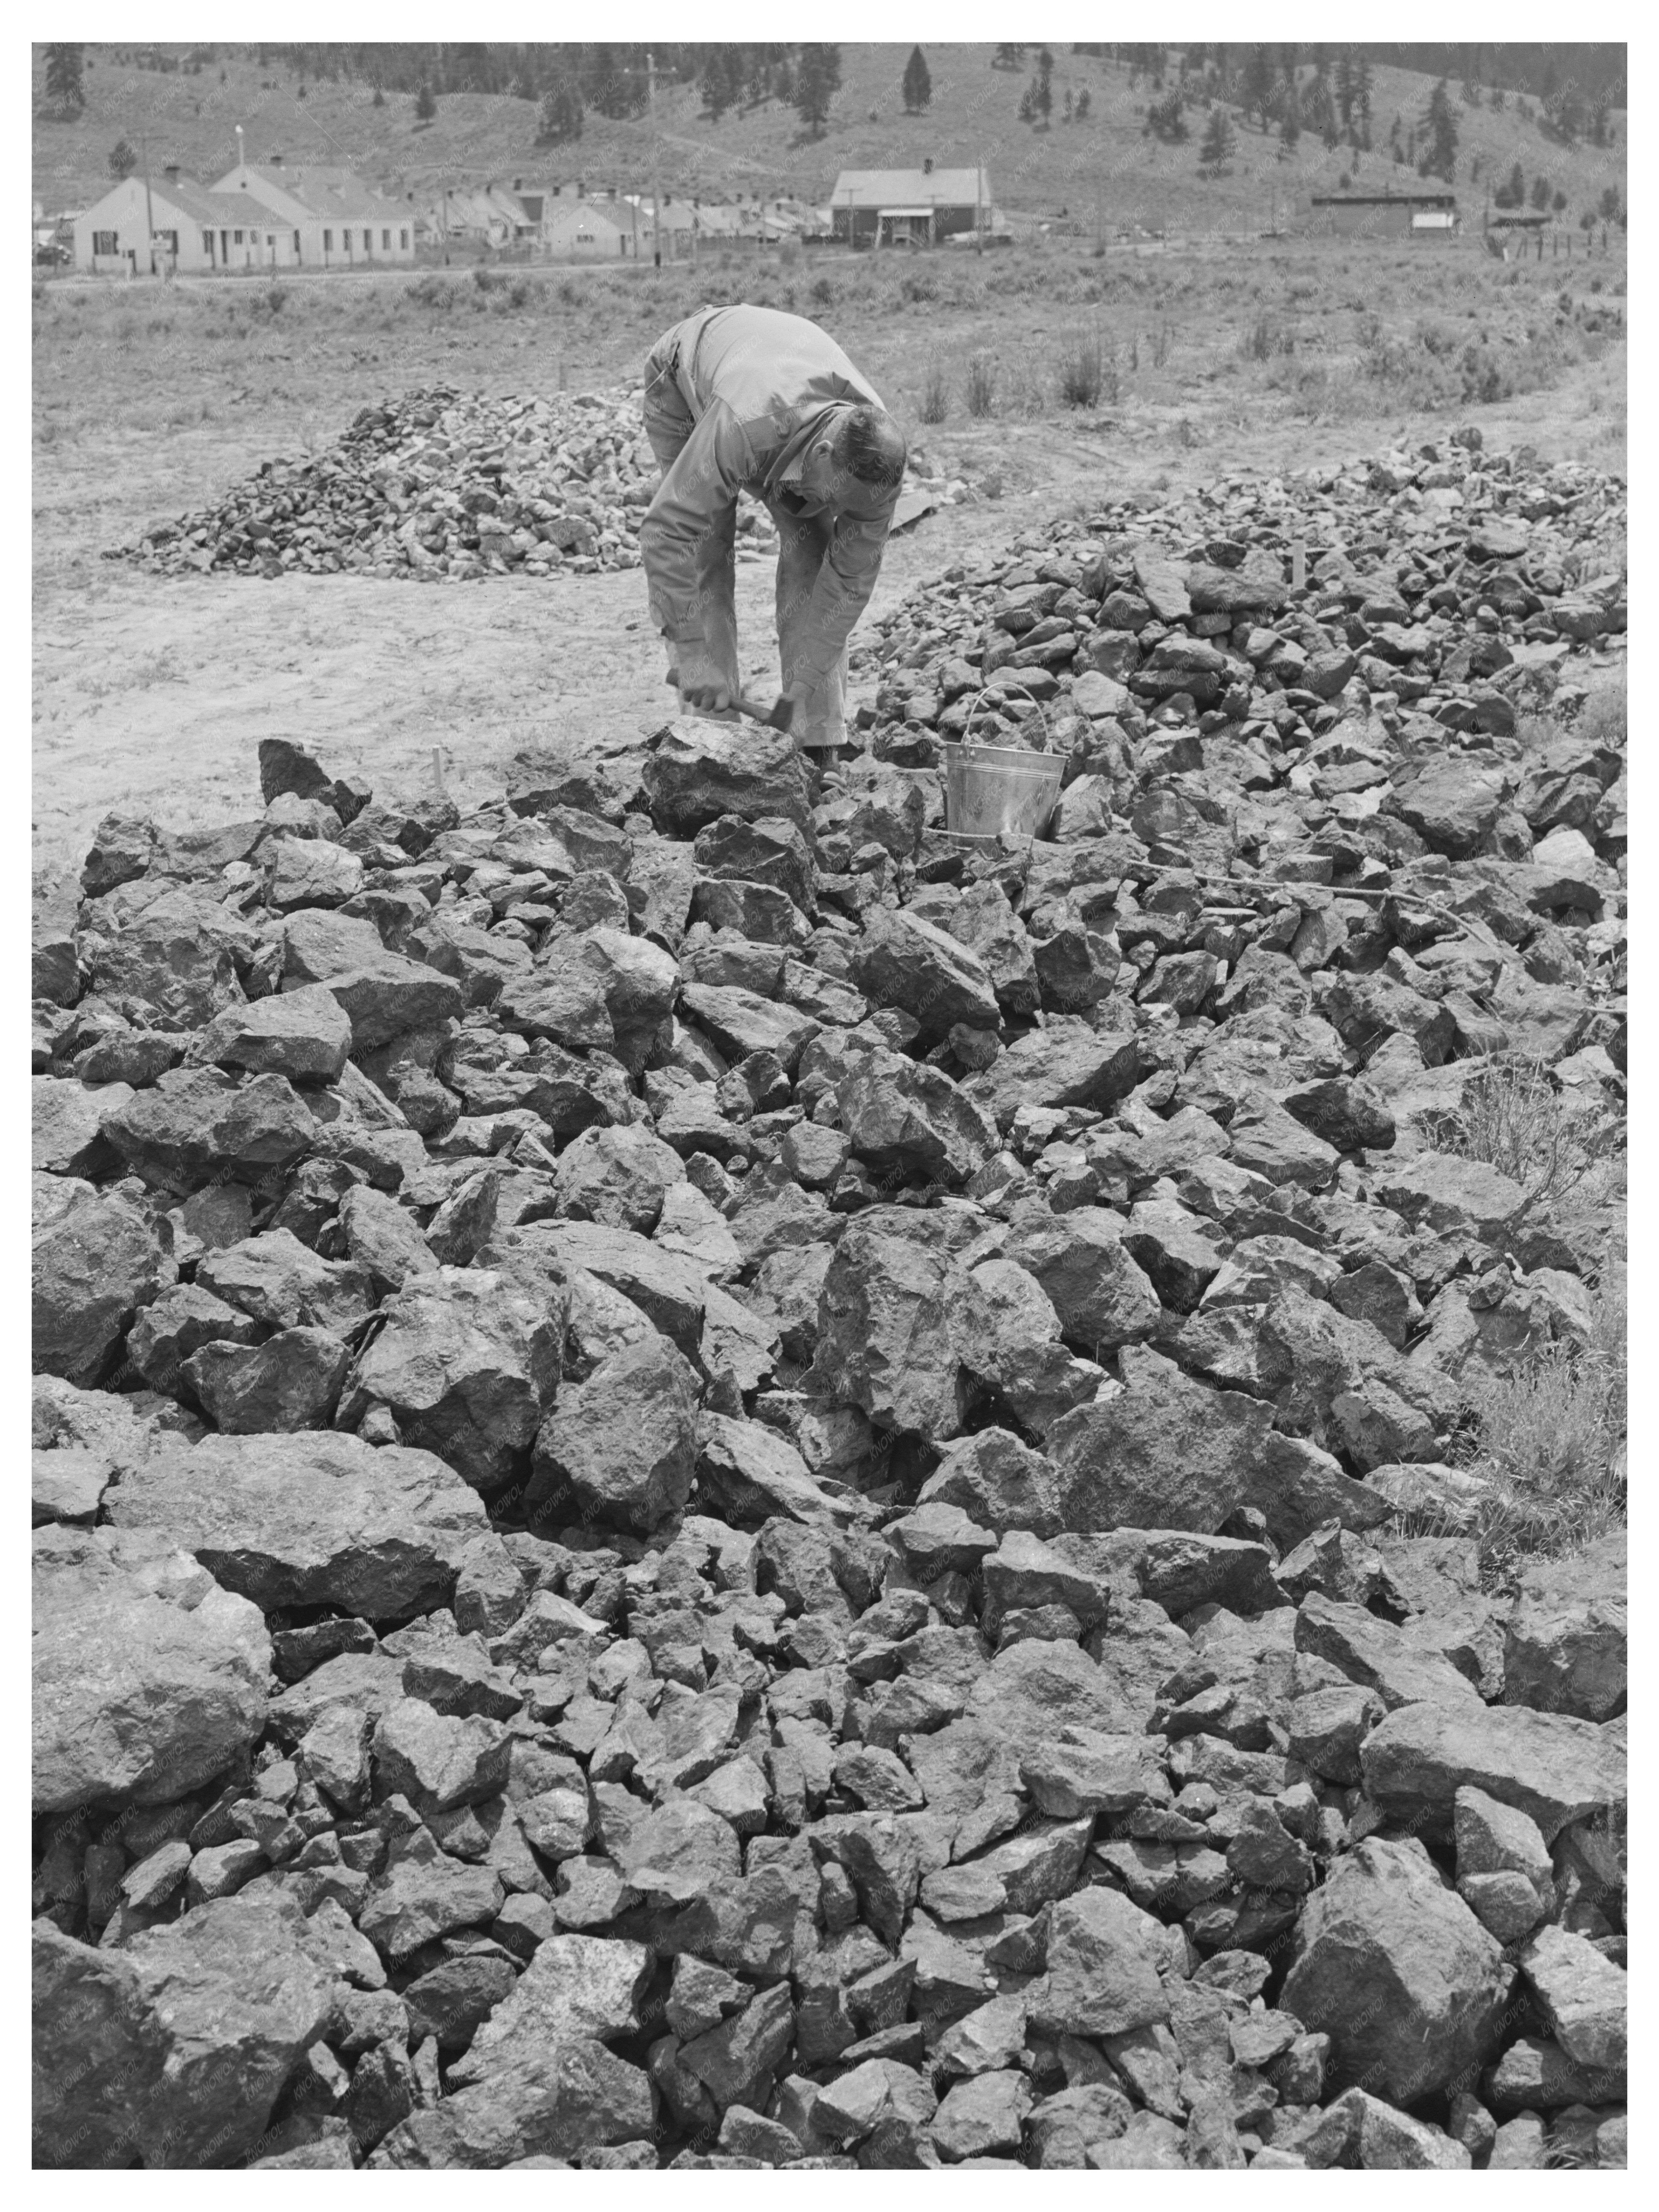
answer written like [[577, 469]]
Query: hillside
[[1106, 167]]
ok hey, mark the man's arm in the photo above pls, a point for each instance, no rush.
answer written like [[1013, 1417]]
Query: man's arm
[[707, 475], [842, 591]]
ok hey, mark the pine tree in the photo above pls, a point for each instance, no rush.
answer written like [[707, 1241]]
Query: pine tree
[[63, 87], [1258, 83], [1345, 87], [1008, 58], [378, 99], [918, 85], [718, 89], [426, 105], [1217, 149], [1540, 193], [1067, 115], [1080, 111], [122, 159], [1290, 130], [562, 114], [1441, 125], [1043, 96], [1362, 87], [818, 79], [1557, 205]]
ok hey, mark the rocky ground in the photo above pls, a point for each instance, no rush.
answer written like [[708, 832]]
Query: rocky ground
[[719, 1484]]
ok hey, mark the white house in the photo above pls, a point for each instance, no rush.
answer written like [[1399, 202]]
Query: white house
[[593, 230], [339, 222], [183, 228]]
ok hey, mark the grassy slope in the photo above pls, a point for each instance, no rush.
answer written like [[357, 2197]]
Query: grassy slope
[[478, 136]]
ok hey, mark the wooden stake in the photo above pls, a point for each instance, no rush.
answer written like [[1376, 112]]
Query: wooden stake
[[438, 770]]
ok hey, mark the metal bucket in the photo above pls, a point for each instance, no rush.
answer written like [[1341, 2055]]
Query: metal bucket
[[999, 791]]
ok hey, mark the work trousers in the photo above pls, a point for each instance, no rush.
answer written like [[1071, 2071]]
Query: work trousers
[[803, 542]]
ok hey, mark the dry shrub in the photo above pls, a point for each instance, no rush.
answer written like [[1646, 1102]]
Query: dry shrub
[[1513, 1117], [935, 401], [982, 386], [1551, 1441]]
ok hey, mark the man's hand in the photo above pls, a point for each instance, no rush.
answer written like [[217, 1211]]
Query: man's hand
[[700, 683]]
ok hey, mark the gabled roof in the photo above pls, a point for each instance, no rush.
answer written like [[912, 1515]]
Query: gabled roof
[[185, 196], [869, 188], [334, 194]]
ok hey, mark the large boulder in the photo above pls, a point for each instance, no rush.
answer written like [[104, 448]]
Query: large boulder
[[901, 1118], [196, 1124], [149, 1676], [1166, 1452], [1566, 1640], [698, 770], [97, 1260], [1396, 1970], [467, 1360], [624, 1444], [904, 961], [173, 2051], [1556, 1769], [1067, 1064], [310, 1520], [885, 1341]]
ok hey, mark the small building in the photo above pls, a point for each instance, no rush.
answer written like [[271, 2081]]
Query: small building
[[593, 230], [340, 222], [901, 207], [176, 225], [1381, 215]]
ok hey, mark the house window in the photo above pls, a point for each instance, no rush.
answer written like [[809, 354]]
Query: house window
[[237, 235], [403, 240], [386, 241], [328, 242], [369, 241], [103, 241], [168, 241], [297, 245], [207, 244]]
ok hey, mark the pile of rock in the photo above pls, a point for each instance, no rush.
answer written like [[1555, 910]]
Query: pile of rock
[[440, 484], [719, 1483], [1455, 585]]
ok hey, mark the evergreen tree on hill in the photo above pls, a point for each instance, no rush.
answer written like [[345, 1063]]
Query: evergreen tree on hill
[[818, 79], [1216, 149], [1043, 97], [561, 116], [122, 159], [426, 105], [63, 87], [918, 85]]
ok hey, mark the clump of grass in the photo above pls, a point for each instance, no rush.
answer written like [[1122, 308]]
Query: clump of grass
[[1088, 373], [1266, 336], [1513, 1117], [935, 403], [982, 386]]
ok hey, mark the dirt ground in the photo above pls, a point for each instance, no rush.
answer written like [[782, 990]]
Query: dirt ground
[[151, 692]]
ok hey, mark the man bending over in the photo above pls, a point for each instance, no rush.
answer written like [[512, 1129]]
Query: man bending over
[[747, 399]]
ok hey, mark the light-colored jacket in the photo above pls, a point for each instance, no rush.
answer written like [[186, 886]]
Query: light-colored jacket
[[758, 384]]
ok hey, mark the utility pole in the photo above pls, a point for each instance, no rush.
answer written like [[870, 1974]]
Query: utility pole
[[979, 201], [150, 212], [656, 166]]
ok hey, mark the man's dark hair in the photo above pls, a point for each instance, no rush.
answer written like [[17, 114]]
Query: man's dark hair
[[872, 448]]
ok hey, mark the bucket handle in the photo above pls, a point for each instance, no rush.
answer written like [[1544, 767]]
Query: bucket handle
[[1001, 683]]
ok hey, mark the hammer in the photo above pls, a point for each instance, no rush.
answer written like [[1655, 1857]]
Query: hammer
[[780, 715]]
